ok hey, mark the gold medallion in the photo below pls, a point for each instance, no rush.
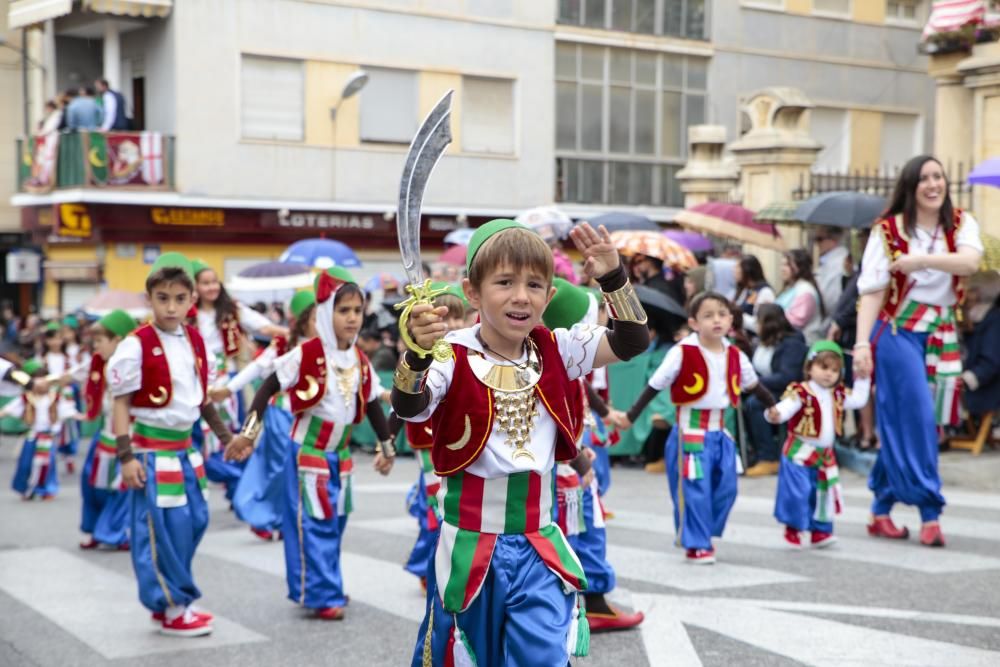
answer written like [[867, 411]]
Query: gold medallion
[[441, 350]]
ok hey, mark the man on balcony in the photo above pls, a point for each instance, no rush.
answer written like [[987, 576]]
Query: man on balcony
[[82, 113], [114, 107]]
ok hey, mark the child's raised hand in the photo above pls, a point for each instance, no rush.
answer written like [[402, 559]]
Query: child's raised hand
[[772, 415], [599, 253], [426, 324]]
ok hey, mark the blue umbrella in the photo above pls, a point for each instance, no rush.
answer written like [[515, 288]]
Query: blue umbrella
[[320, 254], [848, 209], [618, 222], [986, 173], [460, 236]]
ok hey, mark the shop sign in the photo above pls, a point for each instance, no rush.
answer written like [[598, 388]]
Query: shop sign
[[352, 222], [74, 221], [188, 217]]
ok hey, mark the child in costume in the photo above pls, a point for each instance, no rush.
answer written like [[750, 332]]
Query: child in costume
[[158, 376], [44, 410], [809, 492], [331, 386], [105, 510], [222, 322], [59, 365], [706, 375], [580, 513], [502, 588], [259, 499]]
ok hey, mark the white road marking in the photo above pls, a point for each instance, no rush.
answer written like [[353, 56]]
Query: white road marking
[[99, 607]]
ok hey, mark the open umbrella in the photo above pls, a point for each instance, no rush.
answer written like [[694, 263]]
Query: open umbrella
[[459, 236], [778, 211], [654, 244], [848, 209], [383, 281], [730, 221], [693, 241], [269, 276], [454, 255], [102, 303], [659, 304], [618, 221], [320, 254], [548, 221], [986, 173], [991, 253]]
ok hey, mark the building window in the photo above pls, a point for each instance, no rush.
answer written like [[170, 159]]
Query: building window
[[487, 115], [764, 4], [904, 11], [672, 18], [389, 106], [831, 128], [272, 98], [621, 122], [832, 7], [900, 140]]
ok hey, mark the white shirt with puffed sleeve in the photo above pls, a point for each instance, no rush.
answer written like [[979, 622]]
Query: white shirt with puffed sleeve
[[717, 395]]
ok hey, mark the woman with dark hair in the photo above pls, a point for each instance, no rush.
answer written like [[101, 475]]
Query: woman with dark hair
[[800, 295], [778, 360], [910, 286], [752, 290]]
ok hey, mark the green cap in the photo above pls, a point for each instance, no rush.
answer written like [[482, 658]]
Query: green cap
[[172, 260], [568, 306], [824, 346], [450, 288], [32, 366], [197, 266], [483, 234], [118, 322], [301, 301], [338, 272], [71, 322], [51, 325]]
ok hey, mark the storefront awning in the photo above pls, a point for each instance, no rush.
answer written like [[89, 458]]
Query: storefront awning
[[23, 13], [146, 8]]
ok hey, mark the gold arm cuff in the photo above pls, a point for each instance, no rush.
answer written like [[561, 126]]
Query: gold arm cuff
[[408, 380], [252, 427], [20, 377], [623, 304], [386, 448]]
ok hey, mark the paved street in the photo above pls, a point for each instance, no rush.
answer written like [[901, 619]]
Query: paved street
[[862, 602]]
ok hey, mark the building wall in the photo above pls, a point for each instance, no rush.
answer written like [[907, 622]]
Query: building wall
[[152, 52], [442, 40], [11, 120], [861, 65]]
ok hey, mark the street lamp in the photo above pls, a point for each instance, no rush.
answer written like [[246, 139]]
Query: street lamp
[[355, 82]]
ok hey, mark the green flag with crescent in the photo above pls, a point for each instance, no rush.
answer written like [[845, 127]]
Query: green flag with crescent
[[97, 157]]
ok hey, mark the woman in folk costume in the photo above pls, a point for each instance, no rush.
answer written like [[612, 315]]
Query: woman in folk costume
[[503, 584], [222, 322], [105, 504], [578, 509], [259, 499], [331, 387], [44, 410], [59, 365], [809, 491], [911, 287]]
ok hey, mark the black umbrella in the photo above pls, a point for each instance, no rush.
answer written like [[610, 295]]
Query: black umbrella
[[656, 302], [619, 222], [850, 210]]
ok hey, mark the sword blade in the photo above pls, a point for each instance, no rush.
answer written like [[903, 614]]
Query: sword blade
[[426, 149]]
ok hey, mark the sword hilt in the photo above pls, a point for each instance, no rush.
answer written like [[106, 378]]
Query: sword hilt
[[421, 294]]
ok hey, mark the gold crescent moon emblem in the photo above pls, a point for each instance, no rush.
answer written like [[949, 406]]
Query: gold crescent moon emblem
[[160, 397], [310, 392], [734, 381], [523, 453], [699, 384], [466, 435], [95, 158]]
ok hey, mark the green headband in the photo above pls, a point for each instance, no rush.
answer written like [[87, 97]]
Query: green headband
[[172, 260], [197, 266], [32, 366], [451, 288], [824, 346], [483, 234], [301, 301]]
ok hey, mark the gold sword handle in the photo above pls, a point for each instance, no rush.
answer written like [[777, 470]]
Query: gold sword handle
[[421, 294]]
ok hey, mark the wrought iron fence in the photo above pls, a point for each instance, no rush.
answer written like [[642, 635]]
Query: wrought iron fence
[[882, 182]]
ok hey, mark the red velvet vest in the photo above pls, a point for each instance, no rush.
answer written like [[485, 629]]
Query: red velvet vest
[[419, 435], [808, 421], [692, 381], [156, 389], [93, 390], [311, 385], [897, 244], [463, 425]]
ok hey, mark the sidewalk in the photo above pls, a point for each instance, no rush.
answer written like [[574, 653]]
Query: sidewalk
[[958, 469]]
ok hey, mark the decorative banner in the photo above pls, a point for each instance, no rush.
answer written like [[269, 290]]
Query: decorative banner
[[125, 158], [38, 162]]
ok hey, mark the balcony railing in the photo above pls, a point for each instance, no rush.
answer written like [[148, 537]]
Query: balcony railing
[[90, 159]]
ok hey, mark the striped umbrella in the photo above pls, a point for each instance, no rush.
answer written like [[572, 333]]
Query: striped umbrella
[[991, 253], [730, 221], [654, 244], [778, 211]]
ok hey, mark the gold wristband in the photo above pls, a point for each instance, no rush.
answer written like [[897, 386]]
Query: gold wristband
[[408, 380], [252, 427], [623, 304], [386, 448], [20, 377]]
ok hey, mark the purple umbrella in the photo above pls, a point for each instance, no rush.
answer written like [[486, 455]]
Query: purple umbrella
[[693, 241], [986, 173]]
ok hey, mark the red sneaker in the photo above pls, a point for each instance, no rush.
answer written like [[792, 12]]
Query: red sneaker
[[701, 556], [90, 544], [124, 546], [618, 620], [792, 538], [70, 466], [157, 617], [930, 534], [821, 540], [423, 584], [201, 613], [186, 625], [330, 613], [882, 526], [266, 535]]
